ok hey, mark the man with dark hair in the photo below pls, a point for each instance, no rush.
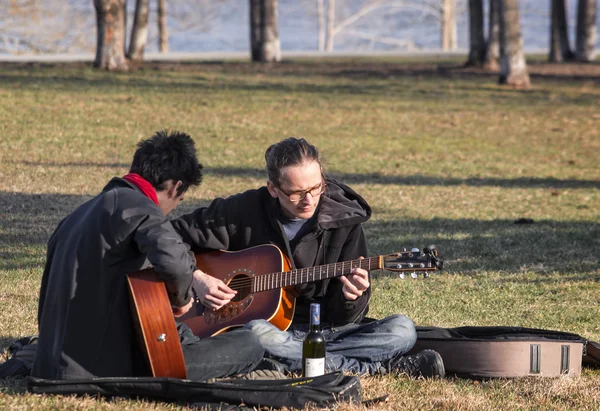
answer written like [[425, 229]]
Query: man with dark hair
[[315, 221], [85, 322]]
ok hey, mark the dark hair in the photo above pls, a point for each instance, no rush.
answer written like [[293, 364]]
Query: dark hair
[[289, 152], [168, 156]]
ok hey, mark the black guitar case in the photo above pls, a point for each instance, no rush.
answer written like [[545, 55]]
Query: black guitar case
[[484, 352], [235, 394]]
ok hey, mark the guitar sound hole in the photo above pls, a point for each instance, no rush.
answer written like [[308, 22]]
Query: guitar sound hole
[[241, 283]]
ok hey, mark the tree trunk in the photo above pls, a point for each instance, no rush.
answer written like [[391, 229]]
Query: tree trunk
[[513, 68], [110, 25], [330, 23], [163, 38], [125, 30], [448, 24], [139, 32], [492, 56], [586, 31], [321, 25], [477, 47], [264, 35], [559, 36]]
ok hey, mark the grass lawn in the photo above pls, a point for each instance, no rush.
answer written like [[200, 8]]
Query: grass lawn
[[443, 154]]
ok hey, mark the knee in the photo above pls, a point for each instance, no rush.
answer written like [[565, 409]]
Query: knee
[[402, 326], [267, 333], [250, 343], [259, 327]]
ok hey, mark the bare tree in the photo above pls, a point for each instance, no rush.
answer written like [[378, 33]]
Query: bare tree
[[513, 68], [492, 55], [320, 26], [585, 49], [163, 38], [264, 31], [330, 22], [110, 25], [139, 32], [477, 46], [353, 17], [559, 36], [448, 24]]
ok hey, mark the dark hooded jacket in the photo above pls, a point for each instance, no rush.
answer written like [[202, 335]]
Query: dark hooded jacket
[[252, 218], [84, 317]]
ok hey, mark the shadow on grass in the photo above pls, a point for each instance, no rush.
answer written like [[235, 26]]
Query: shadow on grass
[[369, 178], [414, 81], [473, 246], [420, 180], [84, 164], [10, 385], [351, 67], [13, 386], [5, 342], [466, 245]]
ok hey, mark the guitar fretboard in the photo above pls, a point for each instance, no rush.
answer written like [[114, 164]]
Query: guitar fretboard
[[310, 274]]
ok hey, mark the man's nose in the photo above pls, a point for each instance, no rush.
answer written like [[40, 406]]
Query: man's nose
[[307, 200]]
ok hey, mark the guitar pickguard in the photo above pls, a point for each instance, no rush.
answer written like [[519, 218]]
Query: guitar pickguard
[[243, 279]]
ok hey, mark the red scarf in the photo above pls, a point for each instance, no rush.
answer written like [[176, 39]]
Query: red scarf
[[143, 185]]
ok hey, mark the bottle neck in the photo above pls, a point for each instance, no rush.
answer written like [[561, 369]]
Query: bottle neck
[[315, 317]]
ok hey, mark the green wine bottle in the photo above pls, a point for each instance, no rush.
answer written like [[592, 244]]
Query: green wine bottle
[[313, 347]]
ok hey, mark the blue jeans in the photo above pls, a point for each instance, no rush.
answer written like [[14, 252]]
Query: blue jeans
[[224, 355], [357, 348]]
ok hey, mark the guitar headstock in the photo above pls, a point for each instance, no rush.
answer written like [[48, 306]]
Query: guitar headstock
[[413, 261]]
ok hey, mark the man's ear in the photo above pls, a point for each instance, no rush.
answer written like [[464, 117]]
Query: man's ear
[[174, 188], [272, 189]]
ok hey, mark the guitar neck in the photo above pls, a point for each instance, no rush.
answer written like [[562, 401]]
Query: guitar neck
[[310, 274]]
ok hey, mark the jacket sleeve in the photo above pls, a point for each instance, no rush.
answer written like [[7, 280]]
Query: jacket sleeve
[[208, 228], [169, 256], [339, 309]]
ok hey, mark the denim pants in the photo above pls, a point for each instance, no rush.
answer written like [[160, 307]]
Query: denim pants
[[224, 355], [357, 348]]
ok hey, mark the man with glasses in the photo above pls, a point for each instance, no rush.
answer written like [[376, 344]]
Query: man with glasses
[[315, 221]]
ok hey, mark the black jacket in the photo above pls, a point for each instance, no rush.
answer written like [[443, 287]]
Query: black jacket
[[85, 322], [252, 218]]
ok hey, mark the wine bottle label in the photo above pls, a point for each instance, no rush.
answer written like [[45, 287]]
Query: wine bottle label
[[314, 367]]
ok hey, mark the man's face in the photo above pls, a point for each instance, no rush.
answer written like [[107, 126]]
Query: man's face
[[171, 204], [299, 181], [168, 198]]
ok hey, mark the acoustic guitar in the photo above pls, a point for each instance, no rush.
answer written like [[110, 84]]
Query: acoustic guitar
[[263, 279]]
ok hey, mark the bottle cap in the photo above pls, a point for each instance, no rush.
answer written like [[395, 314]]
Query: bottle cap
[[315, 314]]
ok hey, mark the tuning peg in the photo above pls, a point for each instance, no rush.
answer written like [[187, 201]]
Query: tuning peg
[[414, 274], [402, 276], [429, 249]]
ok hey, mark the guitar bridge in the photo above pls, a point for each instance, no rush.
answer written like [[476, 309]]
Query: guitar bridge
[[228, 312]]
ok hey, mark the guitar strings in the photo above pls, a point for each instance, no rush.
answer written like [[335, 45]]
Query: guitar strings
[[275, 280]]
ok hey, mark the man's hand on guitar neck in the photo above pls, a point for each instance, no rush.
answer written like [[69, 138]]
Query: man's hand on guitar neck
[[212, 292], [355, 283]]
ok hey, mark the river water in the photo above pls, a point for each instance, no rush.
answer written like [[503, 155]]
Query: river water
[[223, 26]]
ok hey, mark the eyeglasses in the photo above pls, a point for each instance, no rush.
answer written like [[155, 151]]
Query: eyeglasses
[[298, 196]]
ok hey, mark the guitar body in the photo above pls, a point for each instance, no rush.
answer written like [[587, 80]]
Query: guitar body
[[240, 267], [155, 324], [263, 279]]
